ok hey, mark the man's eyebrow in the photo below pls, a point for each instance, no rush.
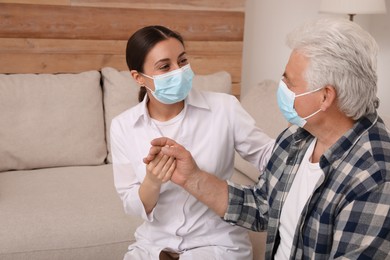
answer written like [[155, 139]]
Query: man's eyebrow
[[287, 80], [285, 77]]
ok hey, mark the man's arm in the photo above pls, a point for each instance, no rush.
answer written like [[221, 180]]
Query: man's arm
[[362, 227], [207, 188]]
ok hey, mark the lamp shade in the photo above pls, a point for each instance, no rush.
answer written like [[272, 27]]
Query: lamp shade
[[353, 6]]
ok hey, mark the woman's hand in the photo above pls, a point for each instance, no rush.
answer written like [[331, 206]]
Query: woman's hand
[[158, 171], [185, 165]]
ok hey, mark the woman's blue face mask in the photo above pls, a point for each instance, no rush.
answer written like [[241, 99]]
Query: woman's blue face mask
[[174, 86], [286, 100]]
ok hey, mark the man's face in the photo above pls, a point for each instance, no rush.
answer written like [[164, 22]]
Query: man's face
[[295, 81]]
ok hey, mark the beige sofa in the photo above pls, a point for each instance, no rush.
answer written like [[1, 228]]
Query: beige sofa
[[57, 198]]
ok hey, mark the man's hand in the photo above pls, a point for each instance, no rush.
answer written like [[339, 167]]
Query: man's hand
[[185, 165], [204, 186]]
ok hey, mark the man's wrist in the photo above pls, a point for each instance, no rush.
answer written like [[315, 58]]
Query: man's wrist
[[193, 181]]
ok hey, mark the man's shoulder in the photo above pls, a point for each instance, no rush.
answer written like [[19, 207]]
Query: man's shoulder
[[368, 160], [375, 140], [290, 133]]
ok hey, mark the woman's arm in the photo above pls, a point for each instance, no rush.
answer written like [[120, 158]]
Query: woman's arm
[[158, 172]]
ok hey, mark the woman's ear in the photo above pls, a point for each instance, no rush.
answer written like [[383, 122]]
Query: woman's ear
[[137, 77], [329, 97]]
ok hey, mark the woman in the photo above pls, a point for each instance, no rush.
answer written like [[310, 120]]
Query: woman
[[211, 125]]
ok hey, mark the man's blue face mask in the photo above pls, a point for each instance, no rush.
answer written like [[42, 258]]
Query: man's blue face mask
[[286, 100], [174, 86]]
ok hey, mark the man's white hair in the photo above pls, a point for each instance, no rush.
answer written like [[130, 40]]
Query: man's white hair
[[343, 55]]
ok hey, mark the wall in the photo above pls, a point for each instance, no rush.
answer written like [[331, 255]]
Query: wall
[[54, 36], [380, 29], [268, 22]]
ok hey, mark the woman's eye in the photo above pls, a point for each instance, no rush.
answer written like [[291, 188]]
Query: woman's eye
[[184, 62], [164, 67]]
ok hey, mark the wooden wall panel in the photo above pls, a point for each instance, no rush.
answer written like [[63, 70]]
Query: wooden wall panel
[[56, 36], [38, 2], [52, 46], [227, 5], [46, 21], [220, 5], [44, 55], [28, 45], [74, 63], [60, 63]]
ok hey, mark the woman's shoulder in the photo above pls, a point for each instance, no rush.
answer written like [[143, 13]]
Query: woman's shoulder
[[208, 99], [130, 114], [217, 96]]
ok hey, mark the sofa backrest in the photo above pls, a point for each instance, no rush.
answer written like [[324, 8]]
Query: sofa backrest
[[54, 120], [261, 103], [51, 120]]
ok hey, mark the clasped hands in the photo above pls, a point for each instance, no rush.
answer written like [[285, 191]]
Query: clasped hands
[[168, 160]]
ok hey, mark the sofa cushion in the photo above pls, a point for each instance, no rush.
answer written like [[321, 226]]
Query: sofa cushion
[[220, 81], [66, 211], [261, 103], [121, 92], [50, 120]]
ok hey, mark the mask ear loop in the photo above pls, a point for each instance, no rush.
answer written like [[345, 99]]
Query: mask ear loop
[[146, 75], [142, 89], [146, 87], [307, 93], [313, 114]]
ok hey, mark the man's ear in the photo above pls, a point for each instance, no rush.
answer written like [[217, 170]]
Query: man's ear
[[329, 97], [137, 77]]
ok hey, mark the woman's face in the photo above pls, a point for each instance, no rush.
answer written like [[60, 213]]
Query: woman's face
[[165, 56]]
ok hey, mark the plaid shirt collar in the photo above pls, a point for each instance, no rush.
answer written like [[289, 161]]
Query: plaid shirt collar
[[337, 152]]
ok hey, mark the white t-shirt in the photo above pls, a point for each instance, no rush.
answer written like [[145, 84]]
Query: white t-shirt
[[172, 127], [211, 127], [301, 190]]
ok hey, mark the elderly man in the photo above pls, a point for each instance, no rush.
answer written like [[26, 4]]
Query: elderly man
[[325, 192]]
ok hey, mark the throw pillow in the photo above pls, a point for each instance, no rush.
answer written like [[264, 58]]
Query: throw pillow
[[51, 120]]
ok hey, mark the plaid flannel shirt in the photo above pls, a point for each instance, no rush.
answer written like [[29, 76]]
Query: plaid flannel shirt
[[346, 217]]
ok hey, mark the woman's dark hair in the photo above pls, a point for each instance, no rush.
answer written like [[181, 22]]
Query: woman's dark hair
[[139, 45]]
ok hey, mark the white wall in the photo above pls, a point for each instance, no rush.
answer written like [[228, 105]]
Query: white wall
[[267, 23], [380, 29]]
